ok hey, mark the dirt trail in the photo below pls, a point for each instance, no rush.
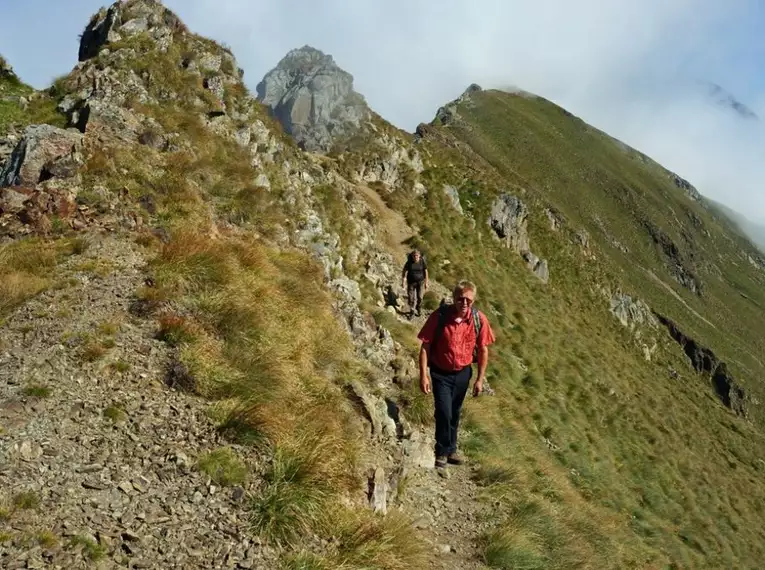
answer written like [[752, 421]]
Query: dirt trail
[[109, 454], [448, 512], [391, 225]]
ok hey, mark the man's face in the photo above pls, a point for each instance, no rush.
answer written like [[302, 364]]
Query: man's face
[[463, 300], [416, 256]]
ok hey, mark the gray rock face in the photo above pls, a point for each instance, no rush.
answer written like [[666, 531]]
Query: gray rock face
[[43, 152], [454, 196], [313, 99], [127, 19], [509, 221], [537, 266], [631, 312]]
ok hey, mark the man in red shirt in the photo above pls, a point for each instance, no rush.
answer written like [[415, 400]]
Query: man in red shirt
[[446, 357]]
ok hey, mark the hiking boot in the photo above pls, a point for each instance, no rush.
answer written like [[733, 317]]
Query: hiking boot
[[455, 459], [441, 461]]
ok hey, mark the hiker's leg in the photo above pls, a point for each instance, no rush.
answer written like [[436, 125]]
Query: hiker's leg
[[419, 296], [442, 386], [461, 384], [410, 293]]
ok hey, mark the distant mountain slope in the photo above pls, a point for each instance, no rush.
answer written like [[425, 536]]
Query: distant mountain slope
[[753, 230]]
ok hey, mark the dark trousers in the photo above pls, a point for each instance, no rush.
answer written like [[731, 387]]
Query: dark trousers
[[414, 292], [449, 389]]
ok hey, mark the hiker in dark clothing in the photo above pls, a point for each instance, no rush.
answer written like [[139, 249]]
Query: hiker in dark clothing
[[453, 337], [414, 279]]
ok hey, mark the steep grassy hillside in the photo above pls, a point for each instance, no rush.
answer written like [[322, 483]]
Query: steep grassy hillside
[[269, 279], [597, 457]]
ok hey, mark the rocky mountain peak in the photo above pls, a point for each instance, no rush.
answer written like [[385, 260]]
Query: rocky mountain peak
[[128, 18], [313, 99], [5, 68]]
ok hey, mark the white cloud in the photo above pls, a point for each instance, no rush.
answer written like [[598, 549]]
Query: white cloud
[[621, 65]]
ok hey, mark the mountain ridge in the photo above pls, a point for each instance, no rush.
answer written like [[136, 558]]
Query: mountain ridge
[[624, 423]]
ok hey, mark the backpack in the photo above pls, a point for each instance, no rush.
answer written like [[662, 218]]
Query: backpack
[[410, 261], [443, 307]]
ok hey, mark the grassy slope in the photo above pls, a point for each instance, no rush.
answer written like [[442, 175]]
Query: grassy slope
[[41, 108], [598, 459], [233, 304]]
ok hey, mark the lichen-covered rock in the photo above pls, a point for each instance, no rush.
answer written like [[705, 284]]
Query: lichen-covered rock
[[454, 197], [124, 19], [508, 219], [313, 99], [631, 312], [389, 160], [43, 152]]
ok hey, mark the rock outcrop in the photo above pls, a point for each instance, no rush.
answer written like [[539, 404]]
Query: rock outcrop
[[678, 262], [683, 184], [6, 71], [509, 221], [126, 19], [704, 361], [42, 153], [313, 99], [448, 113]]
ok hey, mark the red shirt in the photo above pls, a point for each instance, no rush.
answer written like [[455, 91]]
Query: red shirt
[[454, 347]]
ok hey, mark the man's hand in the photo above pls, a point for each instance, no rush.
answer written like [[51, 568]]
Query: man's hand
[[403, 283], [478, 387], [425, 383], [426, 284]]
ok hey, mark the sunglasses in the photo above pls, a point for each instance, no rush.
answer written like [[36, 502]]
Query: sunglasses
[[465, 300]]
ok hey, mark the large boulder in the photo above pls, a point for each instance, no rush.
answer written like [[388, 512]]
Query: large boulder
[[631, 312], [43, 152], [508, 219], [313, 99]]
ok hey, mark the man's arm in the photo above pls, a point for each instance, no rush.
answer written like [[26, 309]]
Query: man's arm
[[483, 362], [426, 277], [485, 339], [424, 376], [403, 274]]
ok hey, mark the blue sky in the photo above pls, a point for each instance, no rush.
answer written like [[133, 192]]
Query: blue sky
[[626, 67]]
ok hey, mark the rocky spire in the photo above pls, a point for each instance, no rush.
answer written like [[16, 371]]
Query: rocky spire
[[126, 18], [313, 99]]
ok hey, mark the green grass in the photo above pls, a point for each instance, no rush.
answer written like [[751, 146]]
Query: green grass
[[38, 391], [115, 414], [89, 547], [223, 467], [39, 109], [46, 539], [628, 467], [120, 366], [27, 500], [294, 498]]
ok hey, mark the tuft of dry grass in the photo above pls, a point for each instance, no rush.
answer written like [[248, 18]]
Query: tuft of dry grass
[[251, 350]]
